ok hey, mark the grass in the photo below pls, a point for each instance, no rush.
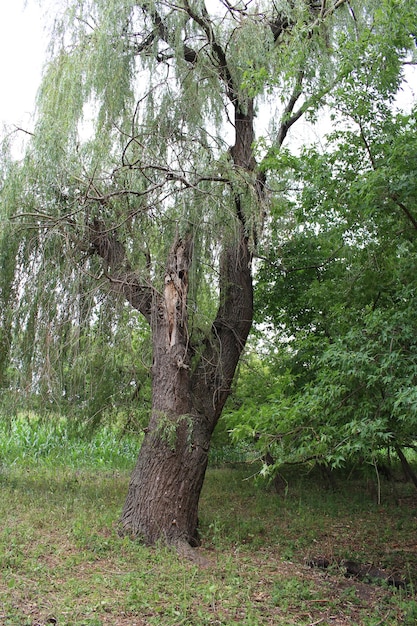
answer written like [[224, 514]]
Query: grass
[[29, 440], [62, 561]]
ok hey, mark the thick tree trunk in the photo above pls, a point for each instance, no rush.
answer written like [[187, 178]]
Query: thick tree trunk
[[165, 487], [163, 495], [190, 383]]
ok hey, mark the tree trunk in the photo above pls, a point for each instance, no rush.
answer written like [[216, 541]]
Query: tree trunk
[[165, 487], [408, 470], [190, 383], [163, 495]]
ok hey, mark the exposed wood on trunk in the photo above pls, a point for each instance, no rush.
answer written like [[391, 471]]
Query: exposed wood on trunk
[[162, 500], [163, 495]]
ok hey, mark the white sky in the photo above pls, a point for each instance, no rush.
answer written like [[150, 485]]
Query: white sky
[[23, 41], [22, 53]]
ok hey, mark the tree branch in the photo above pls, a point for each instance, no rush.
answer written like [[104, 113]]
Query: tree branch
[[218, 52], [392, 196], [117, 268], [404, 209], [289, 118], [161, 32]]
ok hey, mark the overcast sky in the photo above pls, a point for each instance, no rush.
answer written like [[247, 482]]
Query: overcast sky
[[22, 52]]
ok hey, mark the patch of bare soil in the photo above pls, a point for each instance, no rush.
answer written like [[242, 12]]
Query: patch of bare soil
[[332, 598]]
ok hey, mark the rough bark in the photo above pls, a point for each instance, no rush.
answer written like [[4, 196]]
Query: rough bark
[[165, 487], [162, 499], [190, 383]]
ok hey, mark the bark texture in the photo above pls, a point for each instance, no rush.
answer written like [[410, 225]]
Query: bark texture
[[189, 391], [190, 383], [162, 500], [165, 487]]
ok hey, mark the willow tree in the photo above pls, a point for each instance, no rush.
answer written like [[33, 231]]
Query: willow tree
[[144, 172]]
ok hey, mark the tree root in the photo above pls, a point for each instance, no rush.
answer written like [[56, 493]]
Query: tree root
[[185, 551], [364, 572]]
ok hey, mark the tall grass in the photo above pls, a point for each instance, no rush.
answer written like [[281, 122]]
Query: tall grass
[[58, 442]]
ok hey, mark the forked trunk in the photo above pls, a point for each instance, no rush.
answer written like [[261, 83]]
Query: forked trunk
[[165, 487], [190, 383]]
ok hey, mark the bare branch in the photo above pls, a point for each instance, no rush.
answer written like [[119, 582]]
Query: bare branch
[[218, 52], [288, 117], [23, 130], [117, 268], [161, 32]]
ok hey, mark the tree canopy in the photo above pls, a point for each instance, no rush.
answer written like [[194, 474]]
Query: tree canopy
[[336, 286], [133, 136], [159, 167]]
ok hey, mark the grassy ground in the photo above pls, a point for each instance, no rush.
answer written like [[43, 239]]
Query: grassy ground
[[62, 562]]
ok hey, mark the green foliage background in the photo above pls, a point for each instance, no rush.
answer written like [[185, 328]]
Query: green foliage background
[[330, 372]]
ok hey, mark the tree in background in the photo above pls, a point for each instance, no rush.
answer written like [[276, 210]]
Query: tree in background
[[144, 181], [340, 295]]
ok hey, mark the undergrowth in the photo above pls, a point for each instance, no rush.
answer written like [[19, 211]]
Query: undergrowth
[[29, 440], [62, 561]]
